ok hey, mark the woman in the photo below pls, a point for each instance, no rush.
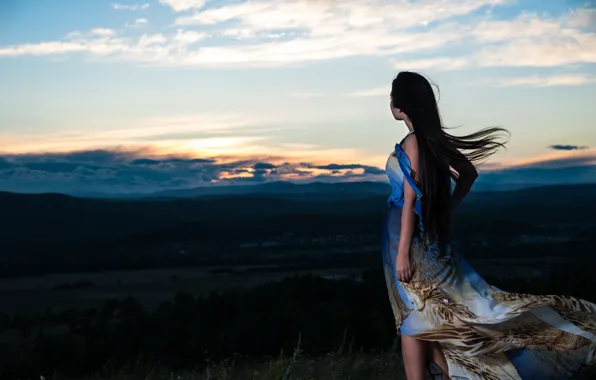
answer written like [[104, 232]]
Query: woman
[[450, 320]]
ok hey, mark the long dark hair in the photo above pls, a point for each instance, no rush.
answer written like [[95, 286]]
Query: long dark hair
[[413, 94]]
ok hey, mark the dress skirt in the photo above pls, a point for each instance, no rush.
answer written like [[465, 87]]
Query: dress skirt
[[485, 333]]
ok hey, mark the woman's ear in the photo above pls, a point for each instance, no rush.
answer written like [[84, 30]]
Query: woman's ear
[[398, 114]]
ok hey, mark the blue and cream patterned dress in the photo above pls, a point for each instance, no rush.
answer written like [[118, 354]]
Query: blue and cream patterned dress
[[485, 333]]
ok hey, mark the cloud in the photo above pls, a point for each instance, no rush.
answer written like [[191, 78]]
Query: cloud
[[188, 37], [442, 63], [375, 91], [118, 171], [6, 164], [183, 5], [263, 165], [535, 41], [103, 32], [149, 161], [583, 18], [364, 169], [276, 33], [43, 48], [567, 147], [210, 136], [284, 32], [527, 40], [130, 7], [544, 81], [138, 23]]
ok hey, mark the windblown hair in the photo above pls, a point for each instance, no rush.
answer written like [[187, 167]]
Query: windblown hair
[[438, 150]]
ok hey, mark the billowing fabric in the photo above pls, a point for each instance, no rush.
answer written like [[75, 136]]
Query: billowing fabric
[[485, 333]]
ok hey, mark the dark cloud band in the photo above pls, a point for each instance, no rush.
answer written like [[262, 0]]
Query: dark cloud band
[[116, 172], [567, 147], [106, 171]]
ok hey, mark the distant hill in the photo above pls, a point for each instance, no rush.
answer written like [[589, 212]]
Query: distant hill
[[310, 192], [45, 233], [365, 188], [313, 191], [27, 217], [538, 195]]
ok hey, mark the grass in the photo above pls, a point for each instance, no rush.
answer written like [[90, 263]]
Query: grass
[[342, 364], [358, 366], [334, 366]]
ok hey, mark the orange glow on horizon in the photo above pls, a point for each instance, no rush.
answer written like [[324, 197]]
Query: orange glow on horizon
[[253, 150], [588, 154]]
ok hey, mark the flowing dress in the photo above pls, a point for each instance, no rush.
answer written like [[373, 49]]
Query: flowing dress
[[485, 333]]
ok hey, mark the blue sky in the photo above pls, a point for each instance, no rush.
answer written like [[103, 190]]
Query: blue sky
[[249, 91]]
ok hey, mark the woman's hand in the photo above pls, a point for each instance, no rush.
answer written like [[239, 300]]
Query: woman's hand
[[403, 269]]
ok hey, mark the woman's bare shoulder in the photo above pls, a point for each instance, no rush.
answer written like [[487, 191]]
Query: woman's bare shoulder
[[410, 143]]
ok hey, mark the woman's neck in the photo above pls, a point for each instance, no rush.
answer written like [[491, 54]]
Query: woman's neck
[[409, 124]]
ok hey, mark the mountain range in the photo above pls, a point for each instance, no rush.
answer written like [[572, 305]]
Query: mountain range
[[318, 190]]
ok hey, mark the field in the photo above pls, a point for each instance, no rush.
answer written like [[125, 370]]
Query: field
[[153, 286]]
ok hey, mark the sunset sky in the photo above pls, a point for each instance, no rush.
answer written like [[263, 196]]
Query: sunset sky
[[141, 96]]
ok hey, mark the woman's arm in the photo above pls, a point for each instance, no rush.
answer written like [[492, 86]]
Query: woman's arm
[[467, 175], [408, 216]]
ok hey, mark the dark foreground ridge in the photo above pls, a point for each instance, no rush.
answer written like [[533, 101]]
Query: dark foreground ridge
[[201, 284], [302, 318]]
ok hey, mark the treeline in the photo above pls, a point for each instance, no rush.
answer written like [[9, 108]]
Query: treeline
[[186, 332]]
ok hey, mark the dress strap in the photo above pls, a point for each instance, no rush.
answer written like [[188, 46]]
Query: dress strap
[[406, 168], [405, 137]]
